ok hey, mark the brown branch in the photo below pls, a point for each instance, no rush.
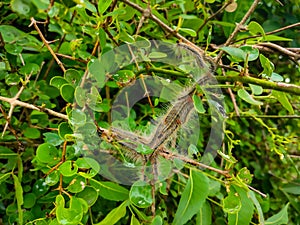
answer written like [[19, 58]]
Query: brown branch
[[238, 27], [280, 49], [15, 102], [46, 43]]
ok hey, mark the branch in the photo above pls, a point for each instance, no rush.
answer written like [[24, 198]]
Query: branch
[[279, 86], [238, 27], [280, 49], [13, 101], [46, 43]]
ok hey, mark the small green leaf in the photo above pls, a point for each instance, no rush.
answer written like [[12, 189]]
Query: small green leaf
[[276, 77], [47, 153], [80, 96], [243, 94], [19, 197], [103, 5], [97, 69], [192, 198], [279, 218], [134, 220], [13, 49], [68, 169], [292, 188], [252, 53], [236, 53], [30, 68], [255, 28], [245, 176], [198, 104], [256, 90], [267, 65], [53, 138], [67, 92], [52, 178], [71, 215], [32, 133], [58, 81], [204, 216], [157, 220], [144, 149], [64, 129], [157, 55], [29, 200], [4, 177], [141, 194], [110, 190], [188, 31], [114, 215], [73, 77], [89, 194], [88, 163], [23, 7], [77, 184], [232, 203], [284, 101], [258, 207]]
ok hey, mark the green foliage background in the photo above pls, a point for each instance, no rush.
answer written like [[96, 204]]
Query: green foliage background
[[43, 178]]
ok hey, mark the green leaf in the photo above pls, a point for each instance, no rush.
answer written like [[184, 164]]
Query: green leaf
[[64, 129], [77, 184], [284, 101], [232, 203], [67, 92], [255, 28], [103, 5], [47, 153], [71, 215], [188, 31], [144, 149], [97, 69], [13, 49], [58, 81], [73, 77], [198, 104], [157, 55], [276, 38], [110, 190], [53, 138], [134, 220], [29, 200], [292, 188], [114, 215], [19, 197], [204, 217], [258, 207], [245, 176], [68, 168], [80, 96], [251, 52], [30, 68], [32, 133], [88, 163], [4, 177], [89, 194], [267, 65], [23, 7], [52, 178], [243, 94], [256, 90], [244, 215], [141, 194], [157, 220], [236, 53], [279, 218], [192, 198]]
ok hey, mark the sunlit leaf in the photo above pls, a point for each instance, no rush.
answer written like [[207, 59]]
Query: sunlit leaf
[[279, 218]]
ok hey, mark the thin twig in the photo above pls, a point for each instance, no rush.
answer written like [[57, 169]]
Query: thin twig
[[46, 43], [280, 49], [238, 27], [30, 106], [270, 32]]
